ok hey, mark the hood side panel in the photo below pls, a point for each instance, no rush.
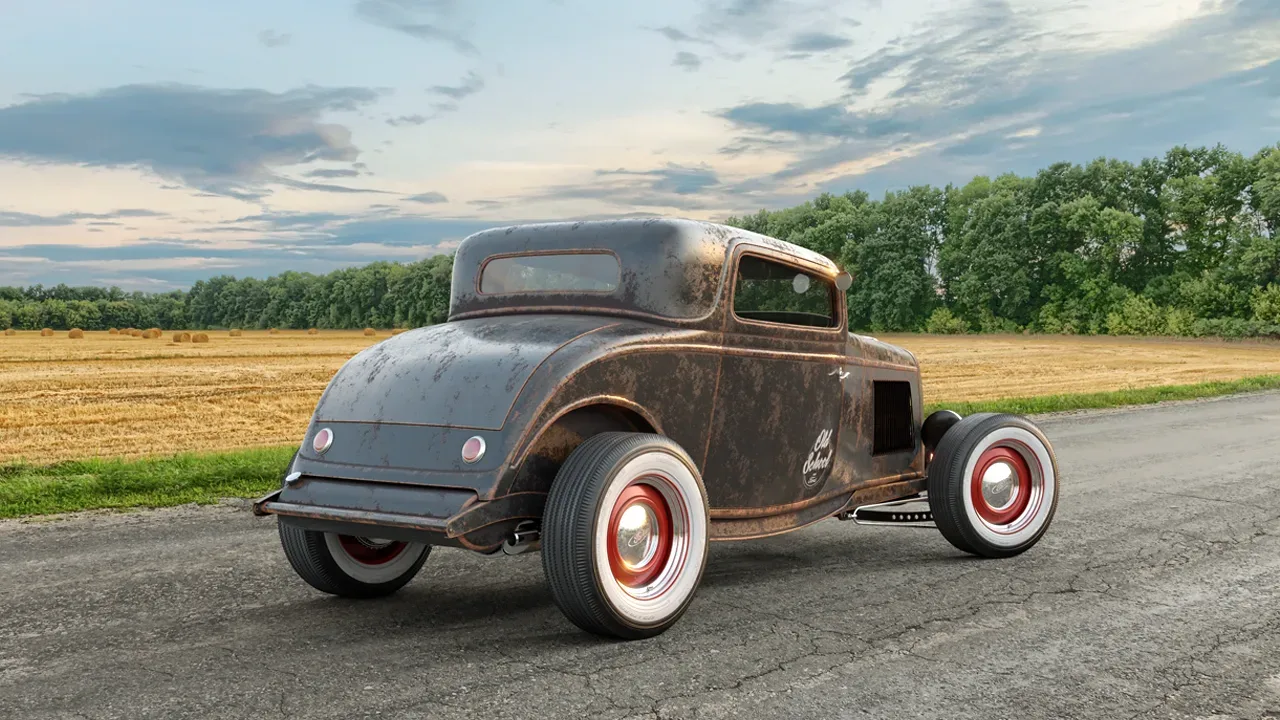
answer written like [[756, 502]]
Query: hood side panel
[[881, 351]]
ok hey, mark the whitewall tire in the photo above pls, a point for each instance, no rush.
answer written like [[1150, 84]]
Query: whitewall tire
[[625, 534], [351, 566], [993, 485]]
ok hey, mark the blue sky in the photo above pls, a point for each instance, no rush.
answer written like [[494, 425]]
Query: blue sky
[[148, 143]]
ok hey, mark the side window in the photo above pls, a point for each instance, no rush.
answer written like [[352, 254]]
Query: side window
[[772, 292]]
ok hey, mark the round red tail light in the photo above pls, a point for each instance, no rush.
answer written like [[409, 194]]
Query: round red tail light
[[321, 442], [473, 449]]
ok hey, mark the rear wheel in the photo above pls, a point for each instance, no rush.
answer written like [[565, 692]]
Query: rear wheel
[[349, 565], [624, 537], [993, 485]]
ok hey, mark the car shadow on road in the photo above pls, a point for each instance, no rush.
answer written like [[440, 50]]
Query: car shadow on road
[[437, 607], [495, 603], [872, 558]]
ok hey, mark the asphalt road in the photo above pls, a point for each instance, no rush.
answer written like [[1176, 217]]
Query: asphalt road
[[1155, 594]]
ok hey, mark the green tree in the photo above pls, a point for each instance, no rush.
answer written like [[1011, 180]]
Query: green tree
[[1137, 315], [1266, 304], [895, 289], [944, 322], [1265, 192], [989, 266]]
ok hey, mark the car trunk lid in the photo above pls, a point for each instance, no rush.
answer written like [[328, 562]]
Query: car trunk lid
[[460, 374]]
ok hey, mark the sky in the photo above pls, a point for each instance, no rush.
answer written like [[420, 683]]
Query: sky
[[150, 143]]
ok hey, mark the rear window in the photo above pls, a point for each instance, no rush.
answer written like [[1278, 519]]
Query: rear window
[[551, 272]]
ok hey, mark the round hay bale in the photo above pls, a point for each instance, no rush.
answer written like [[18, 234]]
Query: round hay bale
[[113, 331], [313, 331], [199, 338], [151, 334], [10, 332], [135, 333], [76, 334], [397, 331], [370, 332], [181, 337], [235, 333], [46, 332], [273, 331], [155, 332]]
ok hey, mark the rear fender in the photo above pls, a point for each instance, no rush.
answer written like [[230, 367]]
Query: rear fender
[[552, 443]]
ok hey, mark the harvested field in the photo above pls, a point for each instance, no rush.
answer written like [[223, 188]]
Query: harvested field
[[119, 395], [989, 367]]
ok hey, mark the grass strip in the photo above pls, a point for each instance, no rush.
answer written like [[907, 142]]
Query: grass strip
[[1112, 398], [206, 477], [153, 482]]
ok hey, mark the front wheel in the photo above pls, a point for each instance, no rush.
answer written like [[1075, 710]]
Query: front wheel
[[625, 534], [993, 485], [351, 566]]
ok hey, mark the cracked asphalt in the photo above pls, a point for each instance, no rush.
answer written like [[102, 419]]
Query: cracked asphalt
[[1155, 594]]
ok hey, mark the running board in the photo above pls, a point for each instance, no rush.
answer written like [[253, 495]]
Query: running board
[[907, 512]]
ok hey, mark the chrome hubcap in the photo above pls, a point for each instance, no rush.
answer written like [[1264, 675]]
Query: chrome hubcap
[[636, 540], [999, 486]]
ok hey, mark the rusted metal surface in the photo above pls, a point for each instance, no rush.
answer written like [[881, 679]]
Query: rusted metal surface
[[515, 506], [372, 497], [809, 512], [358, 517], [761, 527], [461, 374], [887, 492], [671, 269], [765, 511], [257, 504], [779, 418]]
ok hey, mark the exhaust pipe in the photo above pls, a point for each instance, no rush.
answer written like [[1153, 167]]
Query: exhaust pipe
[[526, 537]]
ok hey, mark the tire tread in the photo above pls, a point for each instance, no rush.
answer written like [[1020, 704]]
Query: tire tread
[[310, 557], [946, 493], [568, 530]]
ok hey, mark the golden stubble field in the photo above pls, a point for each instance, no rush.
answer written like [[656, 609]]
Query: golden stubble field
[[105, 396]]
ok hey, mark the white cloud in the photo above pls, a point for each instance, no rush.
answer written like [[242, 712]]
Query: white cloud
[[544, 112]]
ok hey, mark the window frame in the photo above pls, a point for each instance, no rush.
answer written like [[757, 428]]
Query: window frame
[[836, 297], [535, 253]]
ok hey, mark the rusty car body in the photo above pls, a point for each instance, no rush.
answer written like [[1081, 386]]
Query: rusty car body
[[731, 347]]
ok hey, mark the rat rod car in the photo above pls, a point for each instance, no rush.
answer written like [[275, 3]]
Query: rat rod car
[[619, 393]]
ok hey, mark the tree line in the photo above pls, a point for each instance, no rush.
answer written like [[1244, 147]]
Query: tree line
[[1184, 244], [381, 294]]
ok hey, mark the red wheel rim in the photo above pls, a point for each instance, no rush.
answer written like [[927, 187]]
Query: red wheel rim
[[371, 552], [1021, 485], [640, 498]]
